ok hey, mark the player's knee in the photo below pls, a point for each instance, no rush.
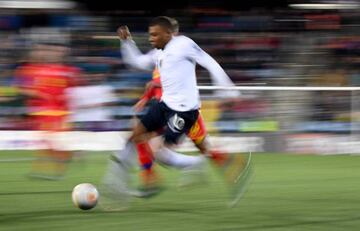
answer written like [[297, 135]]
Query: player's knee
[[138, 133], [202, 146], [170, 142], [172, 139]]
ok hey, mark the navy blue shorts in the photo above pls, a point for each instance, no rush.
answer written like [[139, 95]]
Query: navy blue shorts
[[175, 123]]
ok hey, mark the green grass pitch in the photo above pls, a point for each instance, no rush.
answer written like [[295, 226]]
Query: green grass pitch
[[287, 192]]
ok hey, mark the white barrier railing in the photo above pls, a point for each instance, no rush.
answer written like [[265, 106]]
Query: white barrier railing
[[279, 88]]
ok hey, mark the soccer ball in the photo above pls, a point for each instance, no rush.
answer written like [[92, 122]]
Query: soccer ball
[[85, 196]]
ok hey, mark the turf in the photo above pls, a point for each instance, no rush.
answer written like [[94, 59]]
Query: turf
[[287, 192]]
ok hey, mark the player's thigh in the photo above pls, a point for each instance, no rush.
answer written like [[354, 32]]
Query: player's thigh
[[198, 131], [178, 124], [154, 119]]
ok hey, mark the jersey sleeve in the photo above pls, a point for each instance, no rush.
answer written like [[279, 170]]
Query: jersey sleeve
[[149, 93], [217, 73], [132, 56]]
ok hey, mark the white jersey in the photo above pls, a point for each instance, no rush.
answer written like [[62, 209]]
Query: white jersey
[[176, 64], [132, 56]]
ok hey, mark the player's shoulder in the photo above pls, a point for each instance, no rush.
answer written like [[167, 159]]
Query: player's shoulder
[[184, 43], [26, 66], [67, 69], [26, 69], [184, 40]]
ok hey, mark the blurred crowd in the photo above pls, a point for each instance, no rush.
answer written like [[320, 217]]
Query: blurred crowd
[[256, 48]]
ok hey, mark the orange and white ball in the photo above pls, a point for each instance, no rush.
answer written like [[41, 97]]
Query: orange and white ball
[[85, 196]]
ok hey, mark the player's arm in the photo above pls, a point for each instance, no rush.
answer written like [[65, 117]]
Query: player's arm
[[148, 94], [131, 53], [217, 73]]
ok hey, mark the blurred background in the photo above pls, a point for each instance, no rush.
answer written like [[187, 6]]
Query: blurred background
[[60, 62], [307, 43]]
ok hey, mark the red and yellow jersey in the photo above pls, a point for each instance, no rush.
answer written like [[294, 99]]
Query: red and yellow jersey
[[46, 85], [155, 90]]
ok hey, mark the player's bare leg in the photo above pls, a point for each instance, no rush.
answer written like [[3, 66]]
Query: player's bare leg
[[114, 188], [117, 183], [50, 163]]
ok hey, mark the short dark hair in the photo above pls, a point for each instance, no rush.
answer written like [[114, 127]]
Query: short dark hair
[[162, 21]]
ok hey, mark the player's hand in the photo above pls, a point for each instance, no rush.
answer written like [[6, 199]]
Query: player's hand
[[139, 106], [152, 84], [123, 33]]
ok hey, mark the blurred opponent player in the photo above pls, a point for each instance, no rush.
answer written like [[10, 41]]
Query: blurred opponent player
[[44, 79]]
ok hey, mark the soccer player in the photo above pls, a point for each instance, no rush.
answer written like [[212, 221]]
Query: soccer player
[[189, 163], [149, 177], [44, 80], [197, 133], [175, 58]]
